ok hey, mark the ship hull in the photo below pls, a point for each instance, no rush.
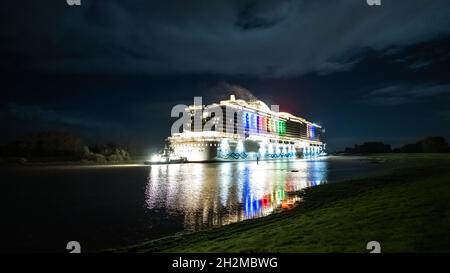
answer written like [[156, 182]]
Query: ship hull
[[244, 151]]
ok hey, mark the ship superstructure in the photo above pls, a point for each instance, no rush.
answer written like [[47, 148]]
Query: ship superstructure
[[237, 129]]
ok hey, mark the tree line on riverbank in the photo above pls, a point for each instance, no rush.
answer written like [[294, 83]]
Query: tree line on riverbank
[[432, 144], [60, 147]]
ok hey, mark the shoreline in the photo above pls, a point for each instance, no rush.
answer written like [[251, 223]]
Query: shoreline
[[375, 158], [141, 159], [71, 163], [341, 217]]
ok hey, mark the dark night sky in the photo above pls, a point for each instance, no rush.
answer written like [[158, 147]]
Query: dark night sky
[[112, 70]]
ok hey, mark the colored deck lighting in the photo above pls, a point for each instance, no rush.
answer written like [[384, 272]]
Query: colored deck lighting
[[247, 122], [265, 123], [258, 122], [311, 132], [252, 121], [283, 127]]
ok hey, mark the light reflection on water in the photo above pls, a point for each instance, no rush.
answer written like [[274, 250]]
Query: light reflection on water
[[216, 194]]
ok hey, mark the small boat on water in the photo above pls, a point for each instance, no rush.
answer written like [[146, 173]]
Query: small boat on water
[[166, 156], [166, 160]]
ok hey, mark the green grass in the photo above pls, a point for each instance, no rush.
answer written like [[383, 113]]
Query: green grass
[[406, 211]]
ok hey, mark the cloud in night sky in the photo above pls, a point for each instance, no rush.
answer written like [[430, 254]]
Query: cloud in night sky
[[421, 59], [257, 38], [36, 114], [420, 64], [263, 14], [398, 94]]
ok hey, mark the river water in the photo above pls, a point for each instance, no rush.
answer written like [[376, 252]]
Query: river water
[[117, 205]]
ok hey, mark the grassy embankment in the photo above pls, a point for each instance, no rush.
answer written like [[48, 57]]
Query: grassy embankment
[[406, 211]]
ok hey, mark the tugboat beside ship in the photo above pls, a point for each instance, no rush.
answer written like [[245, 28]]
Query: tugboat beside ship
[[166, 156]]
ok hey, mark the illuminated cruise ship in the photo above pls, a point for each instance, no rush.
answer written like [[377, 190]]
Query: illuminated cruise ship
[[244, 130]]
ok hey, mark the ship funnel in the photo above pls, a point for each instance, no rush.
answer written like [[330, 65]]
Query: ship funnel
[[232, 98]]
